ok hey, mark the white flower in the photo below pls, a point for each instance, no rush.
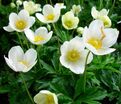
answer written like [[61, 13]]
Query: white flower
[[45, 97], [50, 14], [31, 7], [20, 62], [39, 37], [76, 9], [102, 15], [60, 6], [69, 21], [19, 22], [99, 39], [73, 55]]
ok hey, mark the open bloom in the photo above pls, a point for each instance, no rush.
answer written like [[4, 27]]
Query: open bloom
[[19, 22], [50, 14], [31, 7], [99, 39], [20, 62], [102, 15], [69, 21], [45, 97], [74, 54], [40, 36]]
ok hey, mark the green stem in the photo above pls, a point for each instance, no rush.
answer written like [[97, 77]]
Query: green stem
[[19, 39], [26, 41], [29, 95], [85, 71], [101, 3]]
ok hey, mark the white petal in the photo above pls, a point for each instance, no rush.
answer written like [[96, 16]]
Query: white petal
[[48, 9], [47, 37], [20, 67], [94, 13], [16, 53], [95, 28], [30, 56], [29, 34], [111, 37], [41, 30], [23, 14], [30, 67], [105, 51], [8, 28], [104, 12], [41, 17], [31, 21], [78, 41], [64, 47], [10, 63], [77, 69]]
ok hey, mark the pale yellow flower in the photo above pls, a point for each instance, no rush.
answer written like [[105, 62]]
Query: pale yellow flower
[[31, 7], [45, 97], [69, 21], [102, 15]]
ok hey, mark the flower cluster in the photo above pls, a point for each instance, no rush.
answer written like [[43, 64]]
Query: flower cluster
[[97, 39]]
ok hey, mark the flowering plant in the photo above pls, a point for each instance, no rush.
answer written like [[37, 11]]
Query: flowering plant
[[65, 57]]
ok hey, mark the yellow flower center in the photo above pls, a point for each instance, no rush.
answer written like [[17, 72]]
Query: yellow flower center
[[50, 99], [73, 55], [69, 23], [50, 17], [24, 63], [20, 24], [38, 38], [95, 43]]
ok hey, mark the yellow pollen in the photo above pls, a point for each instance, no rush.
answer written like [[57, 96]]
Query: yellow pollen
[[97, 43], [24, 63], [50, 99], [69, 23], [50, 17], [20, 24], [73, 55], [38, 38]]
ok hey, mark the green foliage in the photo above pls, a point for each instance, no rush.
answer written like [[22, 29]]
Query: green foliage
[[103, 74]]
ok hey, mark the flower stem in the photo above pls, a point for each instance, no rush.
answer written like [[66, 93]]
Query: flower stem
[[85, 71], [29, 95], [19, 39]]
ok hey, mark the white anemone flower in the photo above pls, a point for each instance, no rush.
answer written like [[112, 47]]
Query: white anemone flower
[[99, 39], [69, 21], [19, 22], [40, 36], [50, 14], [20, 62], [102, 15], [45, 97], [74, 55], [31, 7]]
